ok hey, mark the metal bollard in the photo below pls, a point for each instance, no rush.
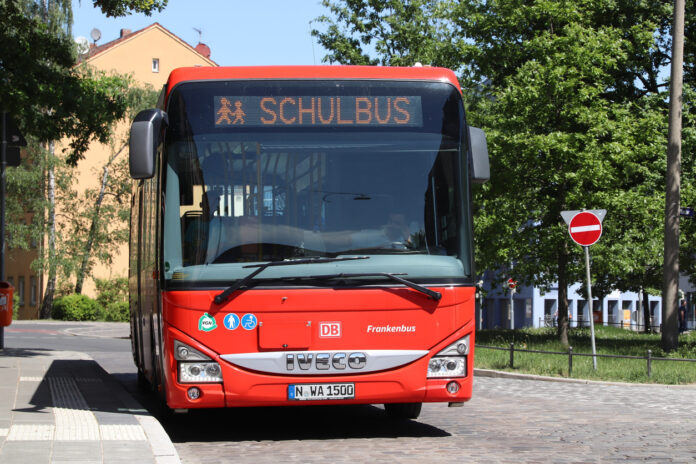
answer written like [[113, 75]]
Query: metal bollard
[[512, 355], [570, 361], [649, 363]]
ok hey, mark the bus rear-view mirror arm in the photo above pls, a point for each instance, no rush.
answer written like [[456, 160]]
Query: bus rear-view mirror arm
[[480, 168], [145, 136]]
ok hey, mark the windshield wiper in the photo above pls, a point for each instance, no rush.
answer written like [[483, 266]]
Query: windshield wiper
[[395, 277], [222, 297], [380, 251]]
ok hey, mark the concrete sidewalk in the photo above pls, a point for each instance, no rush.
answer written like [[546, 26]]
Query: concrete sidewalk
[[62, 407]]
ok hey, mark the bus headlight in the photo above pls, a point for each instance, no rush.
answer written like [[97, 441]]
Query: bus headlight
[[451, 361], [199, 372], [194, 366]]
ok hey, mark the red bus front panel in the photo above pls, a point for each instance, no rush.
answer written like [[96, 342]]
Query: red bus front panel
[[400, 328]]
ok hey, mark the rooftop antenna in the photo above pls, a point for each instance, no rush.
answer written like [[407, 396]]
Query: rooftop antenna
[[200, 33], [95, 34]]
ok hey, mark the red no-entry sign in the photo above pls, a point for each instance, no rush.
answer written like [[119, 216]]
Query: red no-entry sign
[[585, 228]]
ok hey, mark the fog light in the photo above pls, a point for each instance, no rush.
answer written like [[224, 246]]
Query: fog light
[[452, 387], [194, 392]]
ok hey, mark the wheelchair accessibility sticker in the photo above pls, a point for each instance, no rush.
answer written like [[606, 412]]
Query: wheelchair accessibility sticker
[[249, 321]]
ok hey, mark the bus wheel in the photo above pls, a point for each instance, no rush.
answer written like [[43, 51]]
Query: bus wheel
[[159, 388], [403, 410]]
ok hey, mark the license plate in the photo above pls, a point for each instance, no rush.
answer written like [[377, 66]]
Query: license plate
[[321, 391]]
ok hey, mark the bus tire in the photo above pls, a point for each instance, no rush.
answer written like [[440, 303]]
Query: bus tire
[[403, 410], [165, 413]]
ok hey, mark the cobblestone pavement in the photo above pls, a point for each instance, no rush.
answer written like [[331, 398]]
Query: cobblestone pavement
[[508, 420]]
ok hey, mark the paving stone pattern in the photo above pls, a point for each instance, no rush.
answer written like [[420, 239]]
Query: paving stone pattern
[[508, 420], [56, 408]]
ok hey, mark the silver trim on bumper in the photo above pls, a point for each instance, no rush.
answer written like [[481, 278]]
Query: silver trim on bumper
[[324, 362]]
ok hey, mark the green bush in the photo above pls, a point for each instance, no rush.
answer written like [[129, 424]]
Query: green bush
[[110, 291], [116, 312], [112, 298], [75, 308]]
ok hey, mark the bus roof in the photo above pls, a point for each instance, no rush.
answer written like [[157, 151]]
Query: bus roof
[[310, 72]]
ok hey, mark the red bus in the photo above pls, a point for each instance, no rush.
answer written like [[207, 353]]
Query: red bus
[[303, 235]]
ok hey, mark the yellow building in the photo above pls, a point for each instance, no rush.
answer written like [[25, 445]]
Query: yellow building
[[149, 55]]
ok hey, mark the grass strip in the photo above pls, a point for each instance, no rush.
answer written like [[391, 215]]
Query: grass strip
[[609, 341]]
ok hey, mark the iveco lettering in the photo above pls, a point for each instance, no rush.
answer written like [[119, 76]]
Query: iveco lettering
[[309, 231]]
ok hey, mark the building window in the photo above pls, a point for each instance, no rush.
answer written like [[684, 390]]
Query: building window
[[20, 290], [155, 65], [33, 291]]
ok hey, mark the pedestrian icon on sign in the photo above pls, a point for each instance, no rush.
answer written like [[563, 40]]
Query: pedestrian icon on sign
[[238, 113], [224, 112], [231, 321], [249, 321]]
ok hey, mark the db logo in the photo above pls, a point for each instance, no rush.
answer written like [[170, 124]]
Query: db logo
[[329, 329]]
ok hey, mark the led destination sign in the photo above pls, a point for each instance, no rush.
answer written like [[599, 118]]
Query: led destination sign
[[395, 111]]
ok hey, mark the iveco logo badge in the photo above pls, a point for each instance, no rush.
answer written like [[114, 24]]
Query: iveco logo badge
[[325, 361]]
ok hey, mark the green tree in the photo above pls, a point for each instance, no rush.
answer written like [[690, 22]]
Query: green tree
[[569, 95], [126, 7], [51, 98], [387, 32], [39, 85], [107, 210]]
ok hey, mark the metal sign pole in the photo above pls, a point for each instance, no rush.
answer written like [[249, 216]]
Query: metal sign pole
[[512, 309], [589, 299]]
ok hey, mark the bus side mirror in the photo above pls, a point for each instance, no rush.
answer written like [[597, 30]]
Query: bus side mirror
[[145, 136], [480, 169]]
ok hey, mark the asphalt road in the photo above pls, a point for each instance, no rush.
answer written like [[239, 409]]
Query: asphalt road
[[508, 420]]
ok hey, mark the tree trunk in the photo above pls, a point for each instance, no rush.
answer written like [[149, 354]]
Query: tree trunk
[[92, 232], [646, 312], [95, 223], [670, 290], [563, 298], [47, 303]]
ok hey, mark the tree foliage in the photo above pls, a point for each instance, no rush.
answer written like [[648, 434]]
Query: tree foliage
[[90, 227], [125, 7], [39, 84], [386, 32], [572, 99]]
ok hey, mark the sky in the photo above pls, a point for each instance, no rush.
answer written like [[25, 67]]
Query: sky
[[238, 32]]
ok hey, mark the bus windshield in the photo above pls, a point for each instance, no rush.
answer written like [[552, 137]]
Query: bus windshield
[[263, 171]]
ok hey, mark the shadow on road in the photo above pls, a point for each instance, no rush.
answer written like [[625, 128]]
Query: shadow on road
[[278, 423], [73, 384], [292, 423]]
